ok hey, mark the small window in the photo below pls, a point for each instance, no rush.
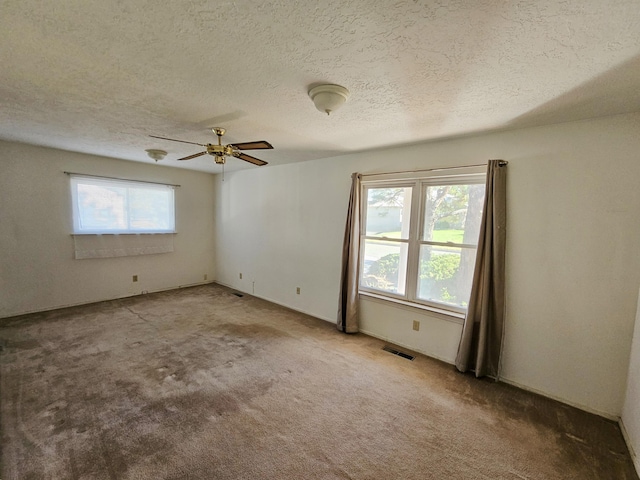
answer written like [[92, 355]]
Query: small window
[[420, 239], [110, 206]]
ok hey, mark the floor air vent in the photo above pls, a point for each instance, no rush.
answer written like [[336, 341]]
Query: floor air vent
[[238, 294], [389, 349]]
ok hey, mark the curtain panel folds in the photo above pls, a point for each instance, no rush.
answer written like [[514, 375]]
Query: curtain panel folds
[[348, 307], [481, 341]]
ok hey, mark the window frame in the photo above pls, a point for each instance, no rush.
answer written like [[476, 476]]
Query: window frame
[[419, 186], [77, 179]]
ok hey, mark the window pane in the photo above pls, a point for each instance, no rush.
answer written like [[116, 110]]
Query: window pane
[[384, 266], [150, 209], [102, 208], [388, 212], [452, 213], [445, 274]]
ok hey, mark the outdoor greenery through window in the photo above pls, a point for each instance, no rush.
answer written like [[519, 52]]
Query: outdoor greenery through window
[[420, 239], [103, 205]]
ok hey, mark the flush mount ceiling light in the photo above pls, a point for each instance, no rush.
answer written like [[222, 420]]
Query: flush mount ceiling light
[[328, 98], [156, 154]]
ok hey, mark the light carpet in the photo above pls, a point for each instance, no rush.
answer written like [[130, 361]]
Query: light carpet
[[199, 383]]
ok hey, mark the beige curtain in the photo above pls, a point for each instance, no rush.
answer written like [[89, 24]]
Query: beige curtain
[[482, 333], [348, 308]]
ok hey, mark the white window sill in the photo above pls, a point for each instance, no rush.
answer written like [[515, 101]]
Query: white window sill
[[448, 315], [124, 233]]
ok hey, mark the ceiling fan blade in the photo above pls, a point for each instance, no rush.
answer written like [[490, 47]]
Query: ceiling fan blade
[[193, 156], [174, 140], [252, 145], [250, 159]]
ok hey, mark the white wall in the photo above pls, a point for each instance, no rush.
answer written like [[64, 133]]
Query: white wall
[[37, 266], [631, 408], [573, 266]]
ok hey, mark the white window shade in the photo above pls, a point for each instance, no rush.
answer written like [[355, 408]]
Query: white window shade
[[110, 206], [108, 246]]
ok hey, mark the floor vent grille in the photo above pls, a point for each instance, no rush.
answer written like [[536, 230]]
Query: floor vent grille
[[389, 349], [238, 294]]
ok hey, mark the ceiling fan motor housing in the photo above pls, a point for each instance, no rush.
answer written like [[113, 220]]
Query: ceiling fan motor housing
[[219, 152]]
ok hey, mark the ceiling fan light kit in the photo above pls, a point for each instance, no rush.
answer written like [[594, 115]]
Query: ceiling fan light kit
[[328, 98], [155, 154]]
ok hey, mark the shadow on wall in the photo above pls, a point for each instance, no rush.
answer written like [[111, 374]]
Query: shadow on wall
[[612, 92]]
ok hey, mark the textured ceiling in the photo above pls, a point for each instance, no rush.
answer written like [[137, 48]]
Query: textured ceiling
[[99, 76]]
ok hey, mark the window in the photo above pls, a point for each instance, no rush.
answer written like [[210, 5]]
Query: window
[[420, 238], [103, 205]]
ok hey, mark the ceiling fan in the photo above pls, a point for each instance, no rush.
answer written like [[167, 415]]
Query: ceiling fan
[[220, 151]]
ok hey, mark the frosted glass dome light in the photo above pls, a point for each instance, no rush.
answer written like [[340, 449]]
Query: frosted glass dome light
[[156, 154], [328, 98]]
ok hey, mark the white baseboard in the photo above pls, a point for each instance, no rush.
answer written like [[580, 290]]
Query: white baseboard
[[630, 446], [89, 302], [282, 304], [579, 406], [450, 361]]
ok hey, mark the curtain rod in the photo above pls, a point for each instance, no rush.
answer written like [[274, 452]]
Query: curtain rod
[[124, 179], [501, 163]]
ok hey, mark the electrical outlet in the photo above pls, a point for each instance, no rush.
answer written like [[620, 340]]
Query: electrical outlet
[[298, 290], [135, 278], [240, 276], [416, 325], [205, 276]]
